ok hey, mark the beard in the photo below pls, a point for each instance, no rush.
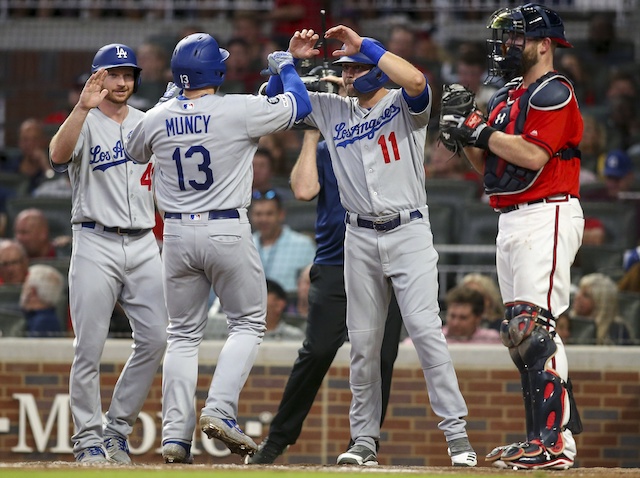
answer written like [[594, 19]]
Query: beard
[[350, 90], [119, 99], [529, 59]]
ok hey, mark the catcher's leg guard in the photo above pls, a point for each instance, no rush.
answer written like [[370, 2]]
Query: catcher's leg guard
[[512, 334], [515, 450], [551, 413]]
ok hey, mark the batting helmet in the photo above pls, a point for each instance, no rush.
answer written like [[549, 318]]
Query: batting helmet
[[530, 21], [374, 79], [198, 61], [115, 55]]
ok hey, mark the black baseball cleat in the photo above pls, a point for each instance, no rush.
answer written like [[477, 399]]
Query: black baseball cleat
[[267, 453], [543, 461]]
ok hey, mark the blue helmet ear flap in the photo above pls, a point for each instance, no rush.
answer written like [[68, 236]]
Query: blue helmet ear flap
[[372, 81]]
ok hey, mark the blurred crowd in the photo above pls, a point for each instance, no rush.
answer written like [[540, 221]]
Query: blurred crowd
[[35, 248]]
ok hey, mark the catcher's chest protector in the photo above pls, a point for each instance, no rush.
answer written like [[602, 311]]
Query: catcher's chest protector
[[501, 177]]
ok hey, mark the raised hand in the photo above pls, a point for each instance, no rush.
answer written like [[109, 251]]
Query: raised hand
[[93, 93], [350, 39], [302, 44]]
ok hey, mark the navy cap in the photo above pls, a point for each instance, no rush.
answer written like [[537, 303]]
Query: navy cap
[[618, 164]]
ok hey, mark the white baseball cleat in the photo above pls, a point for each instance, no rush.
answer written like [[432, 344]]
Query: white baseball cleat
[[462, 453]]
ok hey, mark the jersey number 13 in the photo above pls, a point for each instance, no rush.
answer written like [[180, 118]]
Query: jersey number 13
[[204, 167]]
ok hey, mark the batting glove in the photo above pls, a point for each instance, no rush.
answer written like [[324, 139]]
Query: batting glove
[[278, 60], [172, 91]]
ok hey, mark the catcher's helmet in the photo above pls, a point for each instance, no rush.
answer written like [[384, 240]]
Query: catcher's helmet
[[374, 79], [198, 61], [530, 21], [115, 55]]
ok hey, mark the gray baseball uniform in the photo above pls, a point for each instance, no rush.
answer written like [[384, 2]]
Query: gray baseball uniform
[[115, 258], [378, 156], [204, 149]]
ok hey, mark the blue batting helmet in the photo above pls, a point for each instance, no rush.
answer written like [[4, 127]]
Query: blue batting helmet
[[198, 61], [374, 79], [116, 55]]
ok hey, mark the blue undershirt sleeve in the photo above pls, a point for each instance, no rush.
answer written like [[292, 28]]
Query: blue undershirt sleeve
[[417, 103], [293, 84]]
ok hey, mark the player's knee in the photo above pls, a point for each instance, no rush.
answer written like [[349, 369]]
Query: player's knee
[[537, 348]]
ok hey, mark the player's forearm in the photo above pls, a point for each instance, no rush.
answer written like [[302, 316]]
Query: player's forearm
[[403, 73], [304, 175], [293, 84], [516, 150], [64, 141], [399, 70]]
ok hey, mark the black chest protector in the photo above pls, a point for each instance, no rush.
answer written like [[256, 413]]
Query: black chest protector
[[502, 177]]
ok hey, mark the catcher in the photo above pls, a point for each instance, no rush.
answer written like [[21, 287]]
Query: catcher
[[527, 151]]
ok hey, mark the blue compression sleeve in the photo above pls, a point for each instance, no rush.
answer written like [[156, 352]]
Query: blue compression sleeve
[[294, 85], [417, 103], [274, 86]]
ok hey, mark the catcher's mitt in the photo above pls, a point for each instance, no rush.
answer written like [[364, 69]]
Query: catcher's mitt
[[457, 103]]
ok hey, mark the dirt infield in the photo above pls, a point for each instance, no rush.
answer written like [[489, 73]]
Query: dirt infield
[[310, 470]]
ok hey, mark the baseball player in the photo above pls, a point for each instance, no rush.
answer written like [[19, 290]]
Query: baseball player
[[527, 151], [115, 257], [204, 144], [376, 141], [312, 176]]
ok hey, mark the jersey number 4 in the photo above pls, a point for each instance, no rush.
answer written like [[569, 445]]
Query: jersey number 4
[[204, 166], [382, 141], [147, 177]]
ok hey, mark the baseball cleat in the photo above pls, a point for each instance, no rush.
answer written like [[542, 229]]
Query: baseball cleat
[[117, 450], [228, 431], [267, 453], [177, 452], [543, 461], [358, 455], [462, 453], [92, 455]]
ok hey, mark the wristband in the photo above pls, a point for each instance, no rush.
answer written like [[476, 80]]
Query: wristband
[[371, 50], [295, 60], [483, 137]]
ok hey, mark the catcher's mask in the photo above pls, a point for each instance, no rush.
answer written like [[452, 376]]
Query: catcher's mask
[[374, 79], [116, 55], [198, 61], [528, 21]]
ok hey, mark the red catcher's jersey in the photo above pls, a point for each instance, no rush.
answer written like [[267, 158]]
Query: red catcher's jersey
[[553, 130]]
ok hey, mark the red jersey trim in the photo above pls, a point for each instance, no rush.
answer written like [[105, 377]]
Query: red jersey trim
[[555, 258]]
